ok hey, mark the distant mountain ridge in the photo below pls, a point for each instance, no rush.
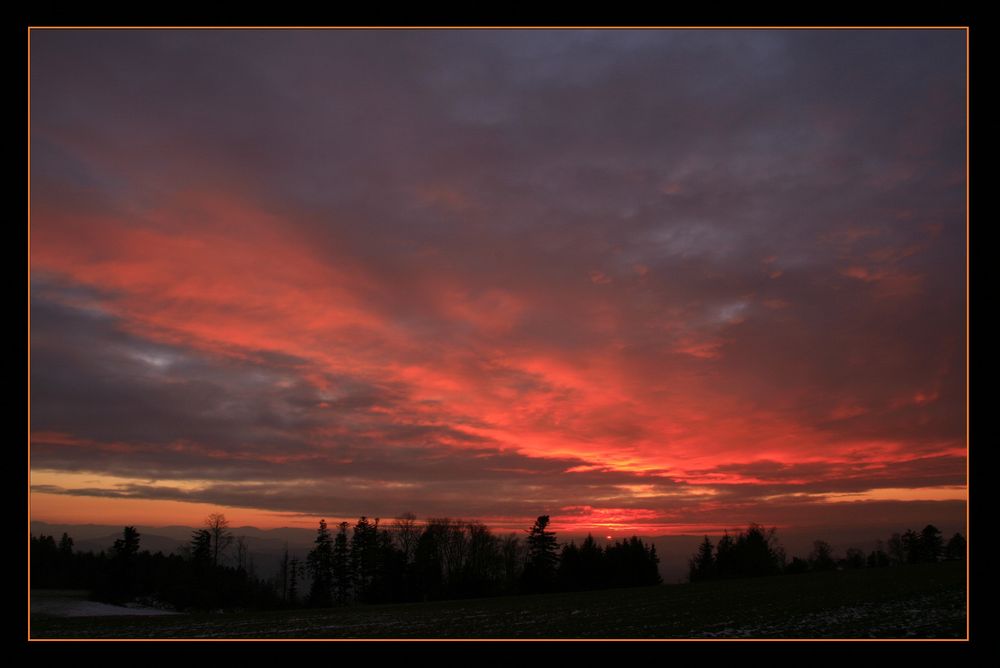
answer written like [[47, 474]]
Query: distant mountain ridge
[[176, 532]]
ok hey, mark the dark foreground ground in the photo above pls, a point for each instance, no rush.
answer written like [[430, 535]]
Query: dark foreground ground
[[925, 601]]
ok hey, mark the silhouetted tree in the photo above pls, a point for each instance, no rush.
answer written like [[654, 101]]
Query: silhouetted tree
[[218, 527], [427, 564], [569, 574], [630, 563], [390, 568], [796, 566], [651, 567], [912, 547], [128, 545], [201, 546], [540, 569], [342, 565], [122, 579], [319, 563], [453, 554], [364, 557], [896, 550], [931, 544], [854, 558], [65, 545], [757, 552], [483, 561], [592, 564], [702, 564], [725, 557], [821, 558], [512, 554], [956, 548], [407, 534], [878, 558], [44, 562]]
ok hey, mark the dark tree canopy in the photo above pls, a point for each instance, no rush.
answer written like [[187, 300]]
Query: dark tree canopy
[[956, 548], [364, 558], [448, 558], [341, 565], [319, 563], [725, 557], [754, 552], [540, 569], [931, 544], [201, 546], [702, 566], [821, 558], [127, 546], [854, 558]]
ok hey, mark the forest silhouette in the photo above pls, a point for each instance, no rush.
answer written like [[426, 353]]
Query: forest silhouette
[[441, 558]]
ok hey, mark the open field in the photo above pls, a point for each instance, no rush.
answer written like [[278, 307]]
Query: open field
[[920, 601], [74, 603]]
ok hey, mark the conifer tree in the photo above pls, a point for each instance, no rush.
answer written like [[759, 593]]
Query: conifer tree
[[931, 544], [956, 547], [725, 557], [591, 563], [702, 565], [201, 546], [364, 554], [320, 565], [912, 547], [539, 571], [341, 565]]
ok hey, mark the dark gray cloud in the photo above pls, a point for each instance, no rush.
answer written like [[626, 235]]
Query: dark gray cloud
[[736, 237]]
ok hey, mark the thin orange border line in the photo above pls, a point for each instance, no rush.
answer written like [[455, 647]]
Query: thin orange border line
[[967, 259], [968, 498], [692, 640], [499, 27], [29, 333]]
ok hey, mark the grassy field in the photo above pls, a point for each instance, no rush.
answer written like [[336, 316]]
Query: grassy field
[[925, 601]]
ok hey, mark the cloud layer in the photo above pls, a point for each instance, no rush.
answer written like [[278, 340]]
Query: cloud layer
[[643, 278]]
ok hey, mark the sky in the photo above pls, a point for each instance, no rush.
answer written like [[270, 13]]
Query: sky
[[643, 281]]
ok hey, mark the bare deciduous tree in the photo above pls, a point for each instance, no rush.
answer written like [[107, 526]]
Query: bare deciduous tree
[[218, 526], [407, 533]]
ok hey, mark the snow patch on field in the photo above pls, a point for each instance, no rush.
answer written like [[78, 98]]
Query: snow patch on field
[[73, 606], [922, 616]]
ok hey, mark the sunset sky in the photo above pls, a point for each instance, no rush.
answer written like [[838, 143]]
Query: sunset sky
[[662, 281]]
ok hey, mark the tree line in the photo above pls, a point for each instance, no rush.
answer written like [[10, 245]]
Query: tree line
[[367, 562], [373, 563], [196, 578], [757, 552]]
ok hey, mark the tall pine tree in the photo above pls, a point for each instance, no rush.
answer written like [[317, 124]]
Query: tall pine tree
[[702, 563], [540, 570], [320, 565], [341, 566]]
